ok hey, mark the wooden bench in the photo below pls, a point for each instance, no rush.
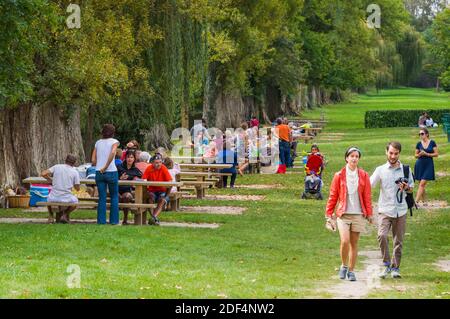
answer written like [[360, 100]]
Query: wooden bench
[[200, 187], [139, 210], [202, 180], [303, 137]]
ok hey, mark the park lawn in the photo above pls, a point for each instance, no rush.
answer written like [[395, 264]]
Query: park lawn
[[278, 248]]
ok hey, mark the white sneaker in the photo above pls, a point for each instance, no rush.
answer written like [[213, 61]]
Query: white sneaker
[[395, 273], [385, 273]]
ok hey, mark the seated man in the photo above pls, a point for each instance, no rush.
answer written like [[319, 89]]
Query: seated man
[[228, 156], [63, 177], [157, 172]]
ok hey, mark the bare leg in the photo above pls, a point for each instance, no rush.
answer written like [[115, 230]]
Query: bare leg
[[354, 237], [51, 218], [159, 207], [59, 214], [66, 214], [421, 192], [126, 198], [345, 246]]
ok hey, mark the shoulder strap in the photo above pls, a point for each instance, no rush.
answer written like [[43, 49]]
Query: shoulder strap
[[406, 171]]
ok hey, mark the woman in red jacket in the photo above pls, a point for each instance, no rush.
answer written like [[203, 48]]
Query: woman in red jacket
[[350, 191]]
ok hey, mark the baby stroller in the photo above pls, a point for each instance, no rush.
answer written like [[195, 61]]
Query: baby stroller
[[313, 179]]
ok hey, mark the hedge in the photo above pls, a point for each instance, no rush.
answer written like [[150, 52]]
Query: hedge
[[400, 118]]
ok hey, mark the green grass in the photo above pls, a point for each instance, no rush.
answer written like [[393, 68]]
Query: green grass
[[278, 248]]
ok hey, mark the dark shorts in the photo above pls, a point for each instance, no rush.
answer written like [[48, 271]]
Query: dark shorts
[[158, 195]]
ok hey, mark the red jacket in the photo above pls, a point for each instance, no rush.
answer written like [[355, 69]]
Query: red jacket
[[338, 194]]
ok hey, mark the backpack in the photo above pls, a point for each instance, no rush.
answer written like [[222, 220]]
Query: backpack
[[409, 196]]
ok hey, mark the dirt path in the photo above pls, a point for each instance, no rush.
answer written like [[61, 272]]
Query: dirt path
[[443, 265], [230, 197], [214, 210], [442, 174], [433, 205], [367, 278], [260, 186]]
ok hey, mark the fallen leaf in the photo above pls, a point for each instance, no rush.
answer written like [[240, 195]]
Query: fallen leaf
[[104, 260], [178, 287], [222, 295]]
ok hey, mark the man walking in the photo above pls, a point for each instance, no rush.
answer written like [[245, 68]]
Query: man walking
[[392, 207]]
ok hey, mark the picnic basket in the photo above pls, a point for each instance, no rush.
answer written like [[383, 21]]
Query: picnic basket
[[19, 201]]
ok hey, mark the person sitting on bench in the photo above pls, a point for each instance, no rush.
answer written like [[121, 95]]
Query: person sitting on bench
[[157, 172], [128, 171], [63, 177]]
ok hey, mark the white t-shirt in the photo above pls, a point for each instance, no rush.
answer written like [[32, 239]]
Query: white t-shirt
[[64, 178], [103, 148], [353, 202]]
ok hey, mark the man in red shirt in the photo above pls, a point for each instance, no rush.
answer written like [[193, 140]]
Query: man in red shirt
[[157, 172]]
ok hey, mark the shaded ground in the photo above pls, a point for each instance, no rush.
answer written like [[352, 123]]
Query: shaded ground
[[230, 197], [219, 210], [93, 221]]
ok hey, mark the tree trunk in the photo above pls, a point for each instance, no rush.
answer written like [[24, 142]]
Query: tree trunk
[[34, 138], [156, 137], [230, 110], [89, 139]]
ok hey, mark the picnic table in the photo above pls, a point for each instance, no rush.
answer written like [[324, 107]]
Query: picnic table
[[205, 167], [317, 123], [203, 175], [304, 137], [192, 159], [139, 198]]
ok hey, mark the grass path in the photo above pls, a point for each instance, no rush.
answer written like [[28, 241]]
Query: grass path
[[277, 248]]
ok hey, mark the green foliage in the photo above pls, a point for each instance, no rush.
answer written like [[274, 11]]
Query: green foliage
[[23, 26], [400, 118]]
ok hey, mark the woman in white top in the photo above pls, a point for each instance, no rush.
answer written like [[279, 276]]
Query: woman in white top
[[106, 175]]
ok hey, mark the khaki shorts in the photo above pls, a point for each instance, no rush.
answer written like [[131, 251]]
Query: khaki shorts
[[349, 222]]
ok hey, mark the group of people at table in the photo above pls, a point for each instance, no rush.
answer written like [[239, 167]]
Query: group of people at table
[[111, 164], [109, 167]]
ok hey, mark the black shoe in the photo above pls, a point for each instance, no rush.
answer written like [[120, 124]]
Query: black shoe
[[153, 221]]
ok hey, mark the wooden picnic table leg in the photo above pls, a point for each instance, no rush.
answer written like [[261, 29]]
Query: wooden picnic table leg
[[198, 190], [138, 199]]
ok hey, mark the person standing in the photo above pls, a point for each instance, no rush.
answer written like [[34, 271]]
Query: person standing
[[426, 149], [350, 191], [392, 206], [106, 175], [254, 121], [284, 134]]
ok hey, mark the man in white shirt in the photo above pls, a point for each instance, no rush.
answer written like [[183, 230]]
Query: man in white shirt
[[392, 207], [63, 177]]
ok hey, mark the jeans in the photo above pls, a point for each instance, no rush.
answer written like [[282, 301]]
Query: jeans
[[110, 180], [225, 180], [285, 152]]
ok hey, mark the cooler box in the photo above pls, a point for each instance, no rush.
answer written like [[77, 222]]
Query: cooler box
[[305, 159], [39, 193]]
